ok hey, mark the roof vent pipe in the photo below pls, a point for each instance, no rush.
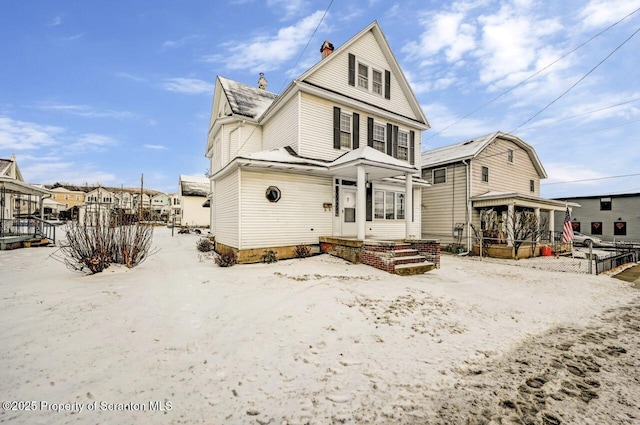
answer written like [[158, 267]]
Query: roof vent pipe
[[262, 82]]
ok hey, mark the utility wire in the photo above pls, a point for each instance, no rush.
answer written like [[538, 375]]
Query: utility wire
[[593, 179], [577, 82], [294, 66], [531, 76]]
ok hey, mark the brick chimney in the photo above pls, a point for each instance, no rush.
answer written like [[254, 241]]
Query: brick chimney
[[326, 49], [262, 82]]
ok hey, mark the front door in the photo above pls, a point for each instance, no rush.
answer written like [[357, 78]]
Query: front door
[[348, 213]]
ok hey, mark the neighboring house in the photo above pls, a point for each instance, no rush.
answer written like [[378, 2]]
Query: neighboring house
[[610, 217], [69, 198], [15, 233], [193, 192], [175, 212], [161, 205], [488, 178], [336, 155], [101, 195]]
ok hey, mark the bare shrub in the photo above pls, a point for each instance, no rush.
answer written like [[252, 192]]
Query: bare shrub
[[95, 245], [227, 258], [269, 256], [303, 251], [204, 245]]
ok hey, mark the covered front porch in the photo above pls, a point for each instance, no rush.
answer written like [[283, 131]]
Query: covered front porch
[[504, 222], [21, 209]]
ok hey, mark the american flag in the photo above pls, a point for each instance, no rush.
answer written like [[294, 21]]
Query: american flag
[[567, 229]]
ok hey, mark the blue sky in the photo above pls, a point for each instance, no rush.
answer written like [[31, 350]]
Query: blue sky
[[104, 91]]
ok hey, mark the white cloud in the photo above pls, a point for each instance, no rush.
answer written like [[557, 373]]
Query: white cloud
[[70, 172], [188, 85], [89, 142], [599, 13], [56, 21], [512, 42], [440, 116], [21, 136], [172, 44], [131, 77], [445, 32], [155, 147], [85, 110], [265, 53], [291, 7]]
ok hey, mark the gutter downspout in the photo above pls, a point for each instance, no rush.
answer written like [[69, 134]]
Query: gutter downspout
[[468, 203]]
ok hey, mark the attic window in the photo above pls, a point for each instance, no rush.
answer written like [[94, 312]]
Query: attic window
[[510, 156], [377, 82], [363, 76], [273, 194]]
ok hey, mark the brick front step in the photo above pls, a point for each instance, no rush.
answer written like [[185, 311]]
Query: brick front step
[[409, 259], [414, 268]]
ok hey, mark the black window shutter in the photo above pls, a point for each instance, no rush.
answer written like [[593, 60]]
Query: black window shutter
[[352, 70], [336, 127], [370, 203], [356, 130], [395, 141], [387, 84], [369, 131], [389, 140], [412, 147]]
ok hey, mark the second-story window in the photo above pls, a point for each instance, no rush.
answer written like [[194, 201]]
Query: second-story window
[[510, 156], [378, 137], [403, 145], [439, 175], [345, 130], [532, 185], [485, 174], [363, 76], [377, 82]]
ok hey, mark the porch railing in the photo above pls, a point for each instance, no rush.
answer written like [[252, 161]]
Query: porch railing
[[28, 226]]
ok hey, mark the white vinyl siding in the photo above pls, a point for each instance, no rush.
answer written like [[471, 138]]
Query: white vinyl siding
[[297, 218], [444, 204], [226, 206], [282, 129], [333, 76], [193, 213]]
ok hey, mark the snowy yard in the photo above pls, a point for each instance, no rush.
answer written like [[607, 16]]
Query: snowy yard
[[179, 340]]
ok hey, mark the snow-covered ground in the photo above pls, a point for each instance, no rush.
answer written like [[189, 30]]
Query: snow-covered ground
[[179, 340]]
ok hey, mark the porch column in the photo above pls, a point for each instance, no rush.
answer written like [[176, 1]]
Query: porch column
[[510, 223], [408, 205], [552, 224], [361, 201], [536, 211]]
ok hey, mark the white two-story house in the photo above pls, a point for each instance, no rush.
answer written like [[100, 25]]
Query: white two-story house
[[336, 154]]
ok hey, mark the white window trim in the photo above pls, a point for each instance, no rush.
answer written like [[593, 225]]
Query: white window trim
[[384, 135], [350, 115], [403, 147], [370, 69], [396, 204]]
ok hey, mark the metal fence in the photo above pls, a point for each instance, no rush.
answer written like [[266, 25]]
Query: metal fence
[[608, 263]]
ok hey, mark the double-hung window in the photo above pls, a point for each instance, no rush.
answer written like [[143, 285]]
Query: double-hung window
[[485, 174], [439, 175], [403, 145], [345, 130], [379, 137], [377, 81], [363, 76]]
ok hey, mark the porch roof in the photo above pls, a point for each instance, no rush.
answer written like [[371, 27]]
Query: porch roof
[[10, 185], [494, 199]]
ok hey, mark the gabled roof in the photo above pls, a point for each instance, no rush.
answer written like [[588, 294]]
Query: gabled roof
[[375, 29], [9, 168], [4, 166], [471, 148], [245, 100]]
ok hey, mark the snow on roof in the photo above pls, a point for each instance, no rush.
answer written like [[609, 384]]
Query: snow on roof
[[370, 154], [4, 166], [459, 151], [284, 155], [194, 185], [245, 100]]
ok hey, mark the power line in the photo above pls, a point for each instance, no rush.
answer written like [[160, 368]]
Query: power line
[[593, 179], [294, 66], [579, 81], [532, 75]]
